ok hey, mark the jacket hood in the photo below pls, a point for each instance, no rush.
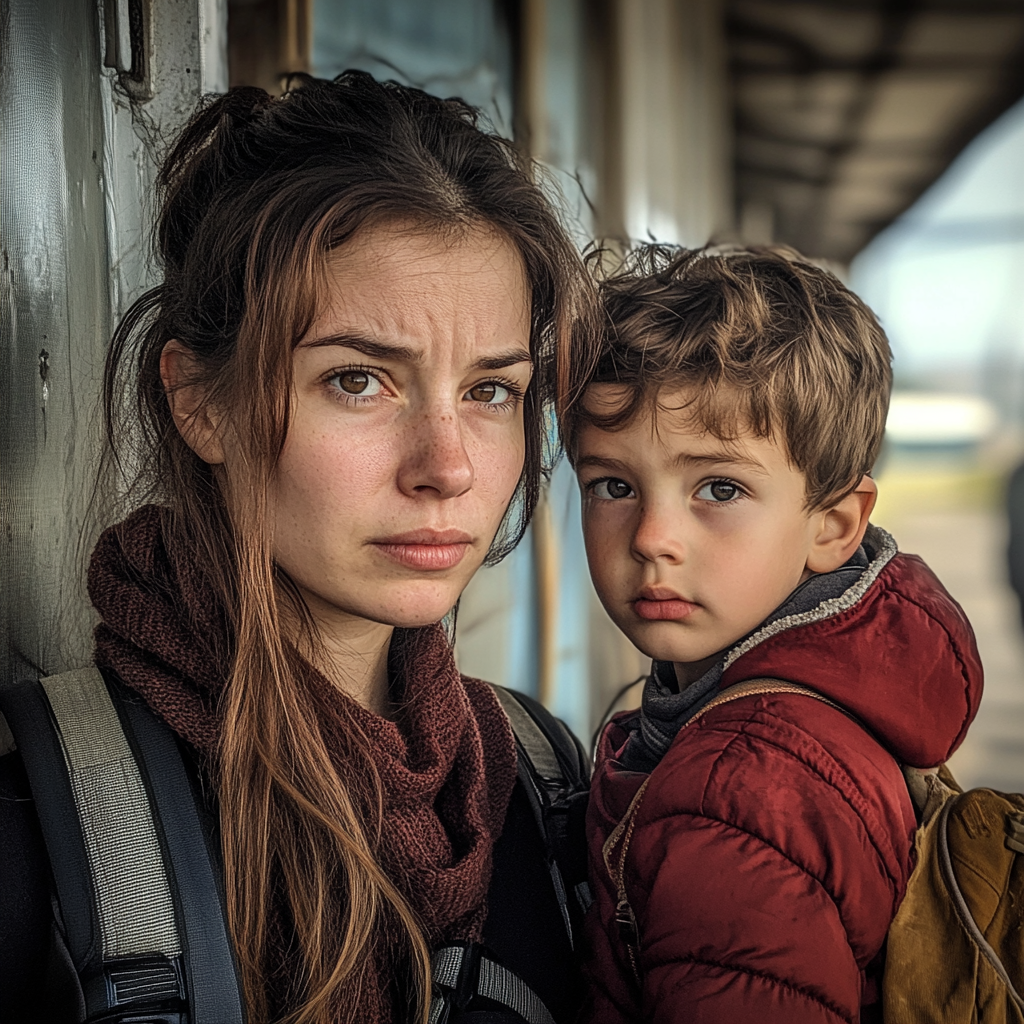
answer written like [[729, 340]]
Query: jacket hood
[[891, 647]]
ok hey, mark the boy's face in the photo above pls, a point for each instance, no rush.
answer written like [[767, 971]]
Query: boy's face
[[692, 542]]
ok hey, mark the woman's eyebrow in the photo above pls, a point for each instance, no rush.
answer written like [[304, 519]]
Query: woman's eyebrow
[[500, 361], [369, 347], [403, 353]]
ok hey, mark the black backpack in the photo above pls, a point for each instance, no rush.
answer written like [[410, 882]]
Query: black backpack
[[135, 858]]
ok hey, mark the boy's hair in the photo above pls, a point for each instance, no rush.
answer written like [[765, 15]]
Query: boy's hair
[[806, 361]]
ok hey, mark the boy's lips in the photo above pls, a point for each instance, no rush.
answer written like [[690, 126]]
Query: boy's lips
[[661, 603]]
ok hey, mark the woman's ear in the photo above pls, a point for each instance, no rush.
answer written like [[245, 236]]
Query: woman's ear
[[197, 421], [841, 528]]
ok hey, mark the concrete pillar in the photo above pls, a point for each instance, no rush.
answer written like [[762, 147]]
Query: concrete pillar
[[668, 160], [88, 93]]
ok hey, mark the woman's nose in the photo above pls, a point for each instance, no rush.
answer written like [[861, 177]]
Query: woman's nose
[[659, 535], [435, 456]]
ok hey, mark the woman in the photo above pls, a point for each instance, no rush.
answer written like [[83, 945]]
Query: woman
[[340, 384]]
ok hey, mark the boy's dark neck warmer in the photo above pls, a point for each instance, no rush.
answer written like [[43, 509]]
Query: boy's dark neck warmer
[[665, 709], [447, 764]]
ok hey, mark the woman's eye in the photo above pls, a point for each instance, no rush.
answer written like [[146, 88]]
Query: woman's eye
[[718, 490], [611, 489], [489, 393], [358, 382]]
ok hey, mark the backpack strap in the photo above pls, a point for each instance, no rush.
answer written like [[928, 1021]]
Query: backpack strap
[[192, 855], [464, 970], [554, 772], [622, 834], [556, 758], [123, 832]]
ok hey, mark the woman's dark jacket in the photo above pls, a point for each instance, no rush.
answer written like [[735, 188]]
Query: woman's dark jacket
[[524, 927]]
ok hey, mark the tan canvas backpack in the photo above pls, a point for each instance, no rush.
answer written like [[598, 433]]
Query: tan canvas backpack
[[955, 950]]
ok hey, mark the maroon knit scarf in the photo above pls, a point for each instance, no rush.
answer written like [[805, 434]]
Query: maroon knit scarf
[[447, 764]]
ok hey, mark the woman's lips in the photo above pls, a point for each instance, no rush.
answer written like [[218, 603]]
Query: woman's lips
[[426, 550], [657, 603]]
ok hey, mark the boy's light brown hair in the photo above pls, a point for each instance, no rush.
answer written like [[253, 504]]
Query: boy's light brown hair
[[804, 360]]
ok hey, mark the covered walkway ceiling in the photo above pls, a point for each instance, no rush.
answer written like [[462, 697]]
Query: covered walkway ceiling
[[847, 110]]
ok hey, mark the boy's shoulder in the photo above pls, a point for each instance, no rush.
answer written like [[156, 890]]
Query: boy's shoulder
[[765, 760], [775, 795], [899, 656]]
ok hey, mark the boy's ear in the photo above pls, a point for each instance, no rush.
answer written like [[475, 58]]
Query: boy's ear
[[197, 421], [841, 528]]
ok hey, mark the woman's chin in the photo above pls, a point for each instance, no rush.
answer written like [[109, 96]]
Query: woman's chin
[[413, 621], [410, 609], [418, 623]]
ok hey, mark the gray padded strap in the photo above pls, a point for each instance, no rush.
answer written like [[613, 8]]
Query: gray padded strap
[[446, 965], [120, 838], [494, 982], [510, 990], [537, 746]]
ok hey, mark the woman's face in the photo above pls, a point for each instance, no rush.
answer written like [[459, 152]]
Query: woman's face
[[406, 440]]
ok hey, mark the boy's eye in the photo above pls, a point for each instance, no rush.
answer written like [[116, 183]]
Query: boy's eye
[[358, 382], [718, 490], [611, 489]]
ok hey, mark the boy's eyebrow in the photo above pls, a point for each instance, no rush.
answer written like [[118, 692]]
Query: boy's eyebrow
[[599, 462], [719, 457], [683, 459], [404, 354]]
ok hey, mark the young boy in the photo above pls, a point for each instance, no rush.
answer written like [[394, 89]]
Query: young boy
[[723, 450]]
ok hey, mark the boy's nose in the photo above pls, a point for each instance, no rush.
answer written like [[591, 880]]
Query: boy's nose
[[658, 536]]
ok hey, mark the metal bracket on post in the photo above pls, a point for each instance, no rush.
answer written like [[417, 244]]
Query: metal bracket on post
[[128, 43]]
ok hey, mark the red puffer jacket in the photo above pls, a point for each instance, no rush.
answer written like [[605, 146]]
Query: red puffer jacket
[[773, 844]]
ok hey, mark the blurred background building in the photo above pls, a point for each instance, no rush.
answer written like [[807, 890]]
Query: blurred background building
[[882, 136]]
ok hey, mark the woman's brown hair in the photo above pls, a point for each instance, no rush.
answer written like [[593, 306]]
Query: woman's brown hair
[[255, 194]]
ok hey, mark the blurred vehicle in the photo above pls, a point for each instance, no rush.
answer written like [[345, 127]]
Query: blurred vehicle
[[935, 421]]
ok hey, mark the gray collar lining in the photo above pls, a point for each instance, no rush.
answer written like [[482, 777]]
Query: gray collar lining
[[885, 549]]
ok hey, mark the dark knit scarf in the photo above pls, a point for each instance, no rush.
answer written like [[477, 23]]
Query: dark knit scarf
[[447, 764]]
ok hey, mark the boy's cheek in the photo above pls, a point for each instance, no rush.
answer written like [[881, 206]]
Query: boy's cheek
[[610, 570], [606, 542], [598, 558]]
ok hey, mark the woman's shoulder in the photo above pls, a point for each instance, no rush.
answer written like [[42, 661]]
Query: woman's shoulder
[[27, 933], [22, 850], [526, 716]]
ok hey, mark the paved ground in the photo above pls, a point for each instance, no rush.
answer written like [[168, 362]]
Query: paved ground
[[966, 549]]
